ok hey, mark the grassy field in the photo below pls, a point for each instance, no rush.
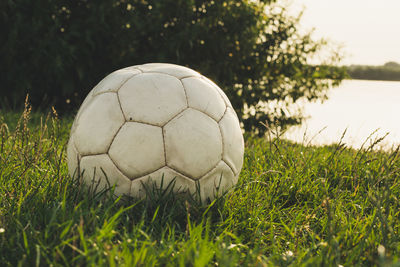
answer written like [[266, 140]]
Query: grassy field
[[293, 205]]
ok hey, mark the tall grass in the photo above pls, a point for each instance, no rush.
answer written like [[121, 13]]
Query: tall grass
[[293, 205]]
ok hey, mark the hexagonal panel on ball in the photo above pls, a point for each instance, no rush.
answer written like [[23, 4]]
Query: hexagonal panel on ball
[[193, 143]]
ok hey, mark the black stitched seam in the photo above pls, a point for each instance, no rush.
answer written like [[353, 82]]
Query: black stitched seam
[[223, 115], [116, 90], [202, 77], [212, 169], [180, 112], [120, 107], [95, 154], [115, 135], [186, 97], [142, 122], [188, 177], [182, 173], [222, 142], [137, 67], [230, 167], [208, 115], [146, 174], [116, 166], [159, 72], [222, 136], [164, 146]]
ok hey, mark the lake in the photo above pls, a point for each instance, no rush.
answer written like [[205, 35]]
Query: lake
[[360, 106]]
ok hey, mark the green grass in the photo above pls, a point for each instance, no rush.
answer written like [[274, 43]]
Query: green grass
[[293, 205]]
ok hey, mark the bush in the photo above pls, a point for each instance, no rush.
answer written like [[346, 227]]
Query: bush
[[58, 50]]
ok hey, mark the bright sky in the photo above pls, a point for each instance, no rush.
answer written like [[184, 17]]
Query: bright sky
[[369, 30]]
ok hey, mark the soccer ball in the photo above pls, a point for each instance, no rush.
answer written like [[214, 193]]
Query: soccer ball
[[156, 124]]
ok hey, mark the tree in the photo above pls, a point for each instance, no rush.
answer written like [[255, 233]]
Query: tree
[[392, 64], [251, 48]]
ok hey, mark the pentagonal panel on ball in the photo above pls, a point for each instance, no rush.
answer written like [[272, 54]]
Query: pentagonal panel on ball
[[233, 140], [97, 124], [193, 143], [152, 98], [217, 181], [222, 93], [114, 80], [100, 173], [170, 69], [138, 149], [162, 179], [204, 97]]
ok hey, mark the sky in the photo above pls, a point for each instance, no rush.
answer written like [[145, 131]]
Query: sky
[[368, 30]]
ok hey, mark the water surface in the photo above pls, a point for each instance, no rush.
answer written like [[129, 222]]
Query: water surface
[[359, 106]]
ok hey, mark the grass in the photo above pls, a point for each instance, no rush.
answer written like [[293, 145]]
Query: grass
[[293, 205]]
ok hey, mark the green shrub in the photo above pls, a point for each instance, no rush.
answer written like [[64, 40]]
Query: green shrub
[[58, 50]]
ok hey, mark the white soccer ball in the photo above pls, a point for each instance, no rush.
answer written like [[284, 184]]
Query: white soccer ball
[[153, 124]]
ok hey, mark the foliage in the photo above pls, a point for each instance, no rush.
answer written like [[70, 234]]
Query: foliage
[[58, 50], [294, 204], [390, 71], [392, 64]]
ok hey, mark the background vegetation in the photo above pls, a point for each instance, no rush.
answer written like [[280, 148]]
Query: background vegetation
[[390, 71], [58, 50]]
